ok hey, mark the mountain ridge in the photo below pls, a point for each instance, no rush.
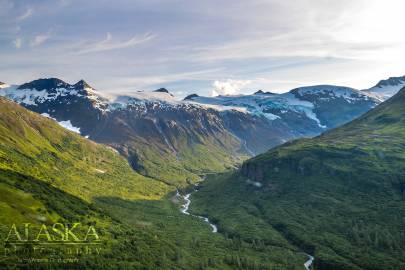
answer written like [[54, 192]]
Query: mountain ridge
[[385, 89], [163, 138], [337, 196]]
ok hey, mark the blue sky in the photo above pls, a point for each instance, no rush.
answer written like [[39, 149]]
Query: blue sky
[[206, 47]]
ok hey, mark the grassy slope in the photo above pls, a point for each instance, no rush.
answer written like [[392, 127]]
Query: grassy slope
[[339, 196], [36, 146], [190, 160], [184, 154], [48, 174]]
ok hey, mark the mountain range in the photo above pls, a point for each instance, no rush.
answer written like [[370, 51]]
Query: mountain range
[[175, 141], [332, 185], [339, 196], [50, 175]]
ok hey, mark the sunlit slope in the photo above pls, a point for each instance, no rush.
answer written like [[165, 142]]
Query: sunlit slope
[[339, 196], [36, 146], [51, 175]]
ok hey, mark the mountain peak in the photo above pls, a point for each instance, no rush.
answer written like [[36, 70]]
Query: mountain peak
[[190, 97], [163, 90], [44, 84], [391, 81], [82, 84], [261, 92], [385, 89]]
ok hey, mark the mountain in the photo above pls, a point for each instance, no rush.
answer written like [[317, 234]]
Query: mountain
[[386, 88], [339, 196], [306, 110], [50, 175], [35, 146], [175, 141], [261, 92]]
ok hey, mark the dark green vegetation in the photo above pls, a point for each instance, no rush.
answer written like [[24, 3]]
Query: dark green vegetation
[[339, 196], [48, 174]]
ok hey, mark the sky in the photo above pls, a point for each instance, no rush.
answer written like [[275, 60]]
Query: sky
[[205, 47]]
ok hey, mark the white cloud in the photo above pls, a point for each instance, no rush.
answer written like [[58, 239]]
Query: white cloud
[[17, 43], [28, 13], [108, 43], [39, 39], [228, 87]]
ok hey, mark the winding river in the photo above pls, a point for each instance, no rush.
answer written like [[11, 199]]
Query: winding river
[[186, 205], [184, 209]]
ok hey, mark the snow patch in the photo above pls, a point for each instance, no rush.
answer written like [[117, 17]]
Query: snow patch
[[383, 93], [66, 124]]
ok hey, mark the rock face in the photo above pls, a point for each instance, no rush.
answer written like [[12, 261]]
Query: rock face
[[165, 138]]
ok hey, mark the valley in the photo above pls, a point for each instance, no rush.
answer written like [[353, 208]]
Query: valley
[[266, 212], [176, 140], [202, 135], [337, 196]]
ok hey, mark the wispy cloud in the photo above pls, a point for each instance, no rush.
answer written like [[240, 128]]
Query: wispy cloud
[[17, 43], [28, 13], [109, 44], [41, 38], [275, 45]]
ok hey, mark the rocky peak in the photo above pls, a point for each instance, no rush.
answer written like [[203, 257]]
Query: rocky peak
[[163, 90], [44, 84], [82, 84], [260, 92], [392, 81], [190, 97]]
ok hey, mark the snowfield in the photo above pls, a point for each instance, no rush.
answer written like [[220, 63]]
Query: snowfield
[[66, 124]]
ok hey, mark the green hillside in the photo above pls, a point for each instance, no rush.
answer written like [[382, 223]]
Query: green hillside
[[36, 146], [48, 175], [339, 196]]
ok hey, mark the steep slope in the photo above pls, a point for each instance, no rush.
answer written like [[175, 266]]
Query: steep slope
[[162, 138], [339, 196], [48, 174], [36, 146], [175, 141]]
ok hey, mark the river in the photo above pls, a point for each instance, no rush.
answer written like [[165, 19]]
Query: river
[[185, 207]]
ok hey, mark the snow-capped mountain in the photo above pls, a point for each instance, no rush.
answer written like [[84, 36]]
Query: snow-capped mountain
[[385, 89], [159, 134], [319, 107]]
